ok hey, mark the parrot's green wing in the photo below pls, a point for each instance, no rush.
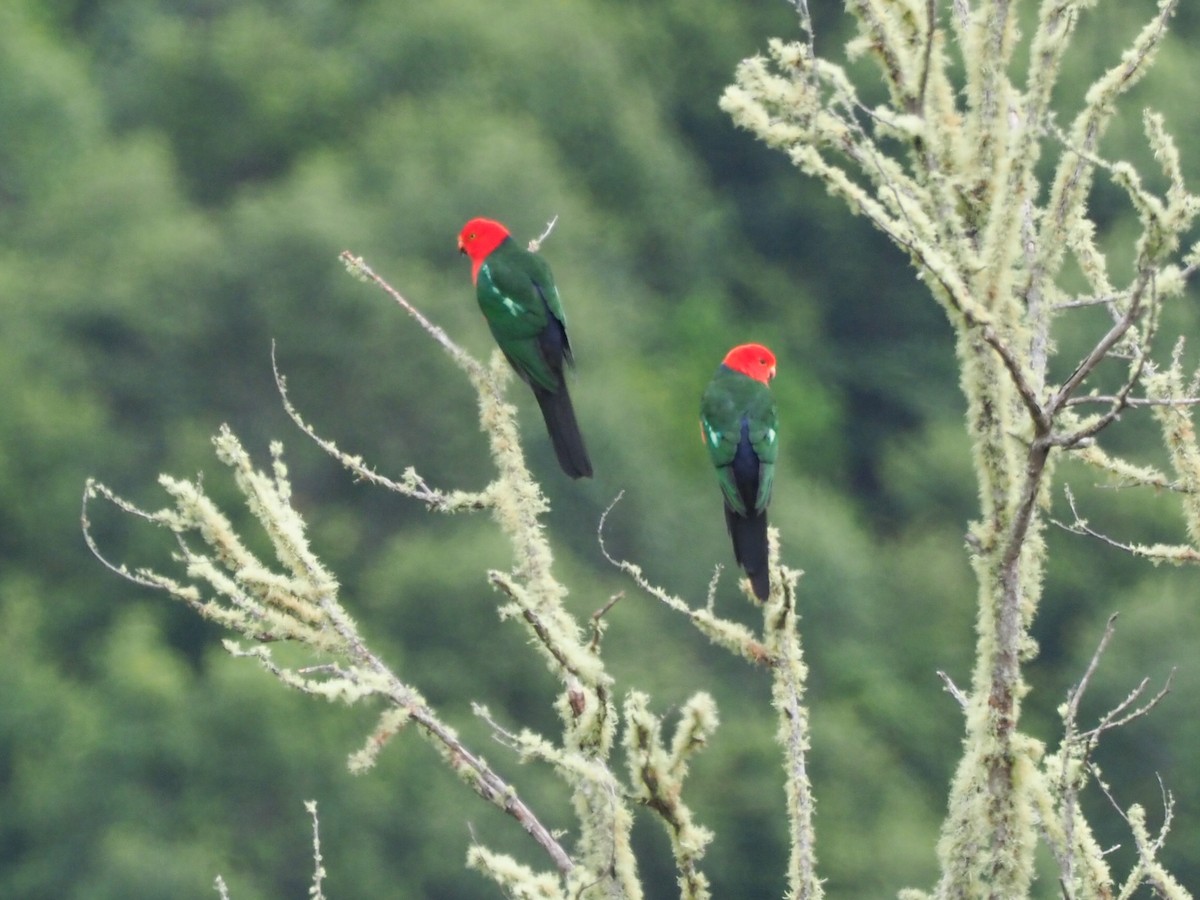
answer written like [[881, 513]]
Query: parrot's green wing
[[735, 406], [520, 302]]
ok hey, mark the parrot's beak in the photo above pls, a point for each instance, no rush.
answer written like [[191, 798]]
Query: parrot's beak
[[771, 374], [462, 248]]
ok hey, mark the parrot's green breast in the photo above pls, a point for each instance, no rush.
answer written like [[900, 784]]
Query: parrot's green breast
[[517, 295]]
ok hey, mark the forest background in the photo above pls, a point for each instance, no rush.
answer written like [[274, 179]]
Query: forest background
[[176, 181]]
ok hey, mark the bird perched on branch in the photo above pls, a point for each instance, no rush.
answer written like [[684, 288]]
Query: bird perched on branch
[[739, 424], [520, 302]]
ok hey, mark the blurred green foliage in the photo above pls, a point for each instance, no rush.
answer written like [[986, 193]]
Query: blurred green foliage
[[176, 180]]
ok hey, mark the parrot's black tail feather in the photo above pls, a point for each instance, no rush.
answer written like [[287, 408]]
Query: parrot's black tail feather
[[564, 431], [749, 535]]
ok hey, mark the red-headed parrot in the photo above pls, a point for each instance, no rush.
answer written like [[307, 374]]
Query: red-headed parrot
[[516, 293], [739, 425]]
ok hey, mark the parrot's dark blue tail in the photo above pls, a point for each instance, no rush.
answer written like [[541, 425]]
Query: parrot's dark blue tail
[[749, 535], [564, 430]]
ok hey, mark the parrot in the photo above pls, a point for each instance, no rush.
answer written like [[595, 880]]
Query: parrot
[[517, 295], [739, 426]]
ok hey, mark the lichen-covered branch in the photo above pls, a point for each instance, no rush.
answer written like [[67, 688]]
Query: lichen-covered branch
[[1149, 870], [789, 676], [536, 598], [734, 637], [1084, 871], [964, 204], [517, 504], [1170, 401], [316, 890], [656, 776], [1179, 435], [298, 603], [297, 600], [778, 649], [516, 880]]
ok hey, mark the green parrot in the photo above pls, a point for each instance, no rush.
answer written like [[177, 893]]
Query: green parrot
[[739, 424], [520, 302]]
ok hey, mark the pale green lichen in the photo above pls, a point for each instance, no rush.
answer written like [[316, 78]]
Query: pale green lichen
[[656, 777], [230, 585], [1179, 436], [656, 772], [965, 205], [1148, 869], [789, 676], [516, 880], [297, 599], [391, 722]]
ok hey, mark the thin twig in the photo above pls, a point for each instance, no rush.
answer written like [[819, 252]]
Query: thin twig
[[1070, 775], [536, 244], [597, 620], [1077, 692], [482, 778], [953, 689], [612, 601], [543, 633], [806, 26], [1178, 555], [1135, 401], [1084, 302], [1140, 355], [1118, 717], [1105, 344], [411, 485], [315, 892], [1168, 801], [358, 267], [91, 489]]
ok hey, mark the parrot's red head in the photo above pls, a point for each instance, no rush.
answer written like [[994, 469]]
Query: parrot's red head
[[478, 239], [753, 360]]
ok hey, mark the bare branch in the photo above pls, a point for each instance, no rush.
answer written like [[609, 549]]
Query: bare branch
[[1111, 399], [1085, 302], [1120, 400], [536, 244], [1121, 714], [473, 769], [358, 267], [597, 620], [953, 689], [546, 636], [1105, 344], [1076, 694]]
